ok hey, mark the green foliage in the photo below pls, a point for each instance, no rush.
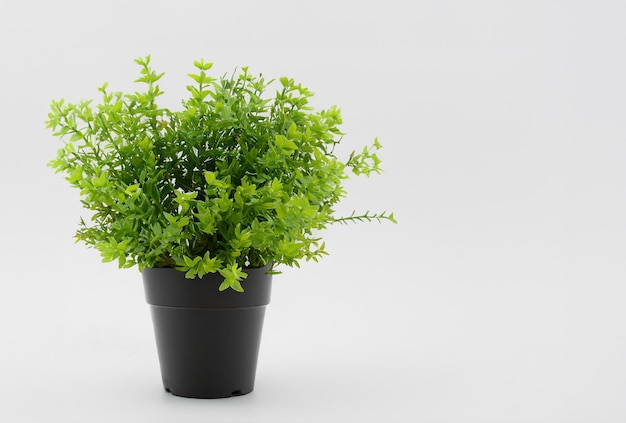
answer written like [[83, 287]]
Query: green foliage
[[233, 180]]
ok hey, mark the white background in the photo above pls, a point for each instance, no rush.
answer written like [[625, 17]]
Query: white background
[[498, 298]]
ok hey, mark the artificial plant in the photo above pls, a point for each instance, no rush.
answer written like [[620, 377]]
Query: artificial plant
[[234, 179]]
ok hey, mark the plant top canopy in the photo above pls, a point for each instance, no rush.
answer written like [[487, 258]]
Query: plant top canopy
[[234, 179]]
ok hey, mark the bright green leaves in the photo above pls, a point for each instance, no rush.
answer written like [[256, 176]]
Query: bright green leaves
[[176, 223], [202, 90], [206, 219], [131, 189], [366, 161], [147, 74], [149, 77], [233, 275], [145, 144], [210, 177], [296, 211], [284, 144], [202, 65], [100, 180], [211, 180], [293, 132], [240, 240], [198, 266], [366, 217], [237, 178], [75, 175], [157, 230], [111, 250], [184, 200]]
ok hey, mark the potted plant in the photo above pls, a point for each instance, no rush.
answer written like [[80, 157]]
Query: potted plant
[[207, 202]]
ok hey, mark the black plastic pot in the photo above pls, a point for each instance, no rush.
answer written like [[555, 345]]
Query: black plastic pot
[[208, 341]]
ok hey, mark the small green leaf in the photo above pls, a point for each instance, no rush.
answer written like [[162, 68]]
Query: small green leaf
[[132, 188], [198, 78], [144, 144], [76, 136], [201, 64], [156, 229], [100, 180], [236, 285], [284, 143], [209, 177], [293, 132]]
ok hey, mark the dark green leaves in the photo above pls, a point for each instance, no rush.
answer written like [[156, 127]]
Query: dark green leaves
[[234, 179]]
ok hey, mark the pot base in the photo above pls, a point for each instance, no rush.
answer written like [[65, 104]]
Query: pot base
[[232, 394], [208, 353]]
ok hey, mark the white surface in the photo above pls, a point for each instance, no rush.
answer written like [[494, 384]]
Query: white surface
[[500, 296]]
